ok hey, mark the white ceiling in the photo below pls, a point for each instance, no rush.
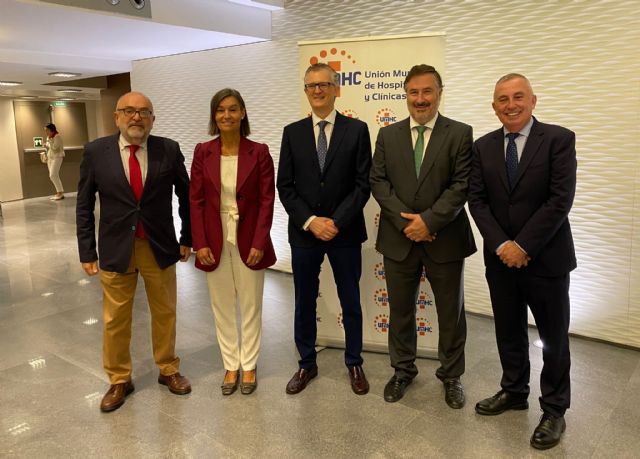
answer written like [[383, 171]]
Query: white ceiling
[[37, 38]]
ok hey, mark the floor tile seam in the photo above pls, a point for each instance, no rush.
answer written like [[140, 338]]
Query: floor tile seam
[[100, 376]]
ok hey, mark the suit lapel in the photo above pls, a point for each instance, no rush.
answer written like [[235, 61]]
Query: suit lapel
[[405, 147], [246, 161], [498, 158], [155, 153], [532, 146], [339, 130], [434, 146], [212, 163], [114, 160]]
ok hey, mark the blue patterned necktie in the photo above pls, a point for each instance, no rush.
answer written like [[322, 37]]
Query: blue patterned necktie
[[512, 158], [418, 150], [322, 144]]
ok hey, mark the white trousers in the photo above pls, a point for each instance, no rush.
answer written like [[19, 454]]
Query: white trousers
[[234, 286], [54, 172]]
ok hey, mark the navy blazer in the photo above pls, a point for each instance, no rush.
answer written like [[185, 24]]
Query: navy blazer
[[102, 171], [534, 213], [339, 192]]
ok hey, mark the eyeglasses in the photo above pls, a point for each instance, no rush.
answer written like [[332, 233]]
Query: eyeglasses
[[322, 86], [130, 112]]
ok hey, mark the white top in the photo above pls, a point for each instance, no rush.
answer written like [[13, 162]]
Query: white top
[[228, 204], [54, 147]]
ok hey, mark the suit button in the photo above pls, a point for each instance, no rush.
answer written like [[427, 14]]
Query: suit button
[[239, 197], [241, 219]]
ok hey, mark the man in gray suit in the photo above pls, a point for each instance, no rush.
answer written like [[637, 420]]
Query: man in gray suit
[[420, 178]]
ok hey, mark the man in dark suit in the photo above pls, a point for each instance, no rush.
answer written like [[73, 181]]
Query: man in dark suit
[[420, 179], [323, 183], [134, 175], [522, 187]]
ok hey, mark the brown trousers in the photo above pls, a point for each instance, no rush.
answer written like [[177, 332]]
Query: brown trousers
[[118, 294]]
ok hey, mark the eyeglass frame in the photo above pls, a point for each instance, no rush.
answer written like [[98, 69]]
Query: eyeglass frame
[[312, 86], [139, 112]]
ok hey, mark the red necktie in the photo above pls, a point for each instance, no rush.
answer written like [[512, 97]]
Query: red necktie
[[135, 177]]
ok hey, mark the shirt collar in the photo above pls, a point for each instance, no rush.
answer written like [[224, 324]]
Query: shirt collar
[[122, 143], [430, 124], [524, 132], [331, 118]]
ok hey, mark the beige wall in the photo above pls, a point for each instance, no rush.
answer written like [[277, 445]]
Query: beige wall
[[581, 56], [10, 182]]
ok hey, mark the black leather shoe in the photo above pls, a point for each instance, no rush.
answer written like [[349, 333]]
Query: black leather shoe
[[300, 379], [502, 402], [454, 393], [394, 390], [549, 431]]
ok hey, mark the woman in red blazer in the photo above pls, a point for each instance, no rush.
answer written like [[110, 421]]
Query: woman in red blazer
[[232, 193]]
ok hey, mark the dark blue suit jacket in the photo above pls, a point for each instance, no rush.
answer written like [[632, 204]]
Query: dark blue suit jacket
[[535, 212], [339, 192], [101, 171]]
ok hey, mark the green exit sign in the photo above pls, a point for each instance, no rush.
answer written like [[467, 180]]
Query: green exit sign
[[59, 103], [37, 142]]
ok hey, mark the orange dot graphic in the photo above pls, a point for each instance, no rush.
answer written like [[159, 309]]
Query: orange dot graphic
[[323, 53], [333, 50], [313, 60], [349, 56], [343, 52]]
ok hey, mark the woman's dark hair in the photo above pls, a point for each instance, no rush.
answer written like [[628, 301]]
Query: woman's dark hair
[[52, 128], [215, 102]]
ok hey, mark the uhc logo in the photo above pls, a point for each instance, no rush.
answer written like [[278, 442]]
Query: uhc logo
[[385, 117], [340, 323], [423, 326], [350, 113], [381, 297], [423, 300], [381, 323], [335, 59], [378, 271]]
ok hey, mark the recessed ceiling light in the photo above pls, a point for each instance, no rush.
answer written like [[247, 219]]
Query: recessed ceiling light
[[10, 83], [113, 2], [28, 97], [137, 4], [64, 74], [65, 98], [69, 90]]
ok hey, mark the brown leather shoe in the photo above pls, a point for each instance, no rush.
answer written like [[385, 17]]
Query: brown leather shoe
[[176, 383], [114, 398], [359, 382], [300, 379]]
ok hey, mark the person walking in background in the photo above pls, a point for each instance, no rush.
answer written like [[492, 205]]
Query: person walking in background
[[420, 178], [54, 151], [134, 174], [232, 196], [522, 187], [323, 182]]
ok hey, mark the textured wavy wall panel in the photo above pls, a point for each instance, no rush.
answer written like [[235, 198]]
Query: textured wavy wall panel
[[581, 56]]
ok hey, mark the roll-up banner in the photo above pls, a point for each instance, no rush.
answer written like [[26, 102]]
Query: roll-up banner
[[372, 72]]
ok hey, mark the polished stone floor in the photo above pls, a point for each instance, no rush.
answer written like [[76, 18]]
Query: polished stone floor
[[51, 378]]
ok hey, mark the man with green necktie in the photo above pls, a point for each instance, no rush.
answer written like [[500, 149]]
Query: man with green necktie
[[420, 178]]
